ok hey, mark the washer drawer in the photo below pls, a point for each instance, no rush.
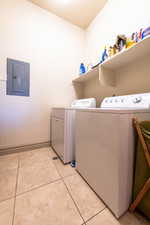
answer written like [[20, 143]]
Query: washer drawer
[[59, 113], [58, 136]]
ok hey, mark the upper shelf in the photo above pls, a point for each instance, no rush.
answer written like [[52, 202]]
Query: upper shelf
[[129, 55], [119, 60], [87, 76]]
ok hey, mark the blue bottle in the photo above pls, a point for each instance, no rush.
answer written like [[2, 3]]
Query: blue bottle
[[82, 69], [104, 55]]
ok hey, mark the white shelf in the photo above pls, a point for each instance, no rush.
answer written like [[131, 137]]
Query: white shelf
[[106, 71], [128, 56], [87, 76]]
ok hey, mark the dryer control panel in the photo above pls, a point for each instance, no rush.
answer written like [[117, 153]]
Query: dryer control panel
[[84, 103], [137, 101]]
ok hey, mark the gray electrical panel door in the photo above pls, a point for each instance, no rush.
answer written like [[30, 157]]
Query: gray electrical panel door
[[18, 78]]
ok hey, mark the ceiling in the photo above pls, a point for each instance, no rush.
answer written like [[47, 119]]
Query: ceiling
[[78, 12]]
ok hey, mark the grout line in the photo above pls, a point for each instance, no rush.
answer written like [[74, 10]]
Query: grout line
[[70, 175], [77, 206], [73, 200], [4, 200], [63, 177], [60, 179], [16, 189], [34, 188], [85, 221], [70, 194], [95, 215], [40, 186]]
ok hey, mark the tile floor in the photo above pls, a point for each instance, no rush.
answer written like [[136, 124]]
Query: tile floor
[[36, 190]]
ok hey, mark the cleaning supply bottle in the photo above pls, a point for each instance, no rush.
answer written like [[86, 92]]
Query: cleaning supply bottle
[[82, 69], [104, 55]]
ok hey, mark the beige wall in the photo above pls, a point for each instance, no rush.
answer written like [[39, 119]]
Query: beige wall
[[54, 48], [118, 17]]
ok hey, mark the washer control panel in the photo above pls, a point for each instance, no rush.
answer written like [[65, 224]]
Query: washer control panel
[[127, 101]]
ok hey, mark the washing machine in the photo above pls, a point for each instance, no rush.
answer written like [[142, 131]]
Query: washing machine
[[63, 128], [105, 147]]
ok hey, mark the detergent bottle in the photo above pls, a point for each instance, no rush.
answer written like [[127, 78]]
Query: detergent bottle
[[82, 69]]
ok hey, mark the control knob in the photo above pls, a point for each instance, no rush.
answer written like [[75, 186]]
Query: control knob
[[137, 100]]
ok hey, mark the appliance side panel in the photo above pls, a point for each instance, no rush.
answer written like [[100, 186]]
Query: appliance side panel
[[97, 137], [127, 156], [126, 163], [69, 147], [58, 132]]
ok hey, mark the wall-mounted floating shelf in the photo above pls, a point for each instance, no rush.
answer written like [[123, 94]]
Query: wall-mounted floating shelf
[[128, 56], [87, 76], [106, 72]]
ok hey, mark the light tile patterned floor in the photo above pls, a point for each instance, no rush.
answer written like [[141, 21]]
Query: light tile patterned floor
[[36, 190]]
